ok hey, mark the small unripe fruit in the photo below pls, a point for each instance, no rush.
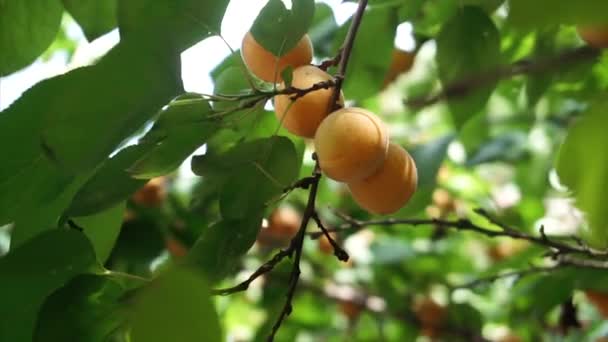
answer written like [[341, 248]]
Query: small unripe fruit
[[283, 224], [304, 115], [351, 144], [401, 62], [152, 194], [596, 36], [393, 184], [266, 66]]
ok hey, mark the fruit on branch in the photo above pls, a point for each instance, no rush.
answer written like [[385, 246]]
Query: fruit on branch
[[350, 309], [401, 61], [351, 144], [324, 245], [430, 314], [595, 36], [391, 186], [443, 201], [283, 224], [152, 194], [303, 116], [599, 300], [175, 247], [266, 66], [507, 248]]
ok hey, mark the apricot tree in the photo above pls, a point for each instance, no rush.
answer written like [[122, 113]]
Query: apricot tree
[[454, 184]]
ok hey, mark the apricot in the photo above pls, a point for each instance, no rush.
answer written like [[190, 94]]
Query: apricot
[[443, 201], [303, 116], [599, 300], [325, 246], [595, 36], [430, 313], [175, 247], [401, 62], [391, 186], [351, 144], [152, 194], [350, 309], [266, 66], [283, 224]]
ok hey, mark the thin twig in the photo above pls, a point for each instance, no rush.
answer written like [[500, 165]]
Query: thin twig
[[465, 86], [467, 225], [345, 55], [517, 274], [339, 252]]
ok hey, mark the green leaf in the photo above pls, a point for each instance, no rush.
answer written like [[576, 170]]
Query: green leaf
[[582, 165], [102, 229], [220, 247], [176, 305], [172, 24], [366, 71], [530, 14], [466, 317], [86, 309], [231, 81], [27, 28], [110, 185], [467, 44], [323, 29], [45, 210], [287, 75], [181, 128], [94, 17], [33, 271], [255, 172], [278, 29], [49, 138]]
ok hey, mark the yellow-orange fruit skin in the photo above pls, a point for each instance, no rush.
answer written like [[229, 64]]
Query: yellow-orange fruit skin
[[393, 184], [401, 61], [599, 300], [152, 194], [303, 116], [351, 144], [596, 36], [266, 66], [283, 224]]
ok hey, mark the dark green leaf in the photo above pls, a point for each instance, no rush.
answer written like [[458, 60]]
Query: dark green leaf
[[181, 128], [174, 25], [323, 29], [86, 309], [94, 17], [287, 76], [102, 229], [221, 245], [530, 14], [32, 272], [27, 28], [278, 29], [176, 305], [582, 165], [110, 184], [468, 44], [465, 317], [254, 172], [231, 81]]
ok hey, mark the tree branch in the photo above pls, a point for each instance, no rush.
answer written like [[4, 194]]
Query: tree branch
[[559, 248], [465, 86]]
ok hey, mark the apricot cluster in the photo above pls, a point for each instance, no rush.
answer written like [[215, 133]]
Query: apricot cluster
[[352, 144]]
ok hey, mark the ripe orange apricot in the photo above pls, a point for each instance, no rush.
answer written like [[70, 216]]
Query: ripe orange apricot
[[283, 224], [152, 194], [393, 184], [599, 300], [266, 66], [304, 115], [596, 36], [401, 62], [351, 144]]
